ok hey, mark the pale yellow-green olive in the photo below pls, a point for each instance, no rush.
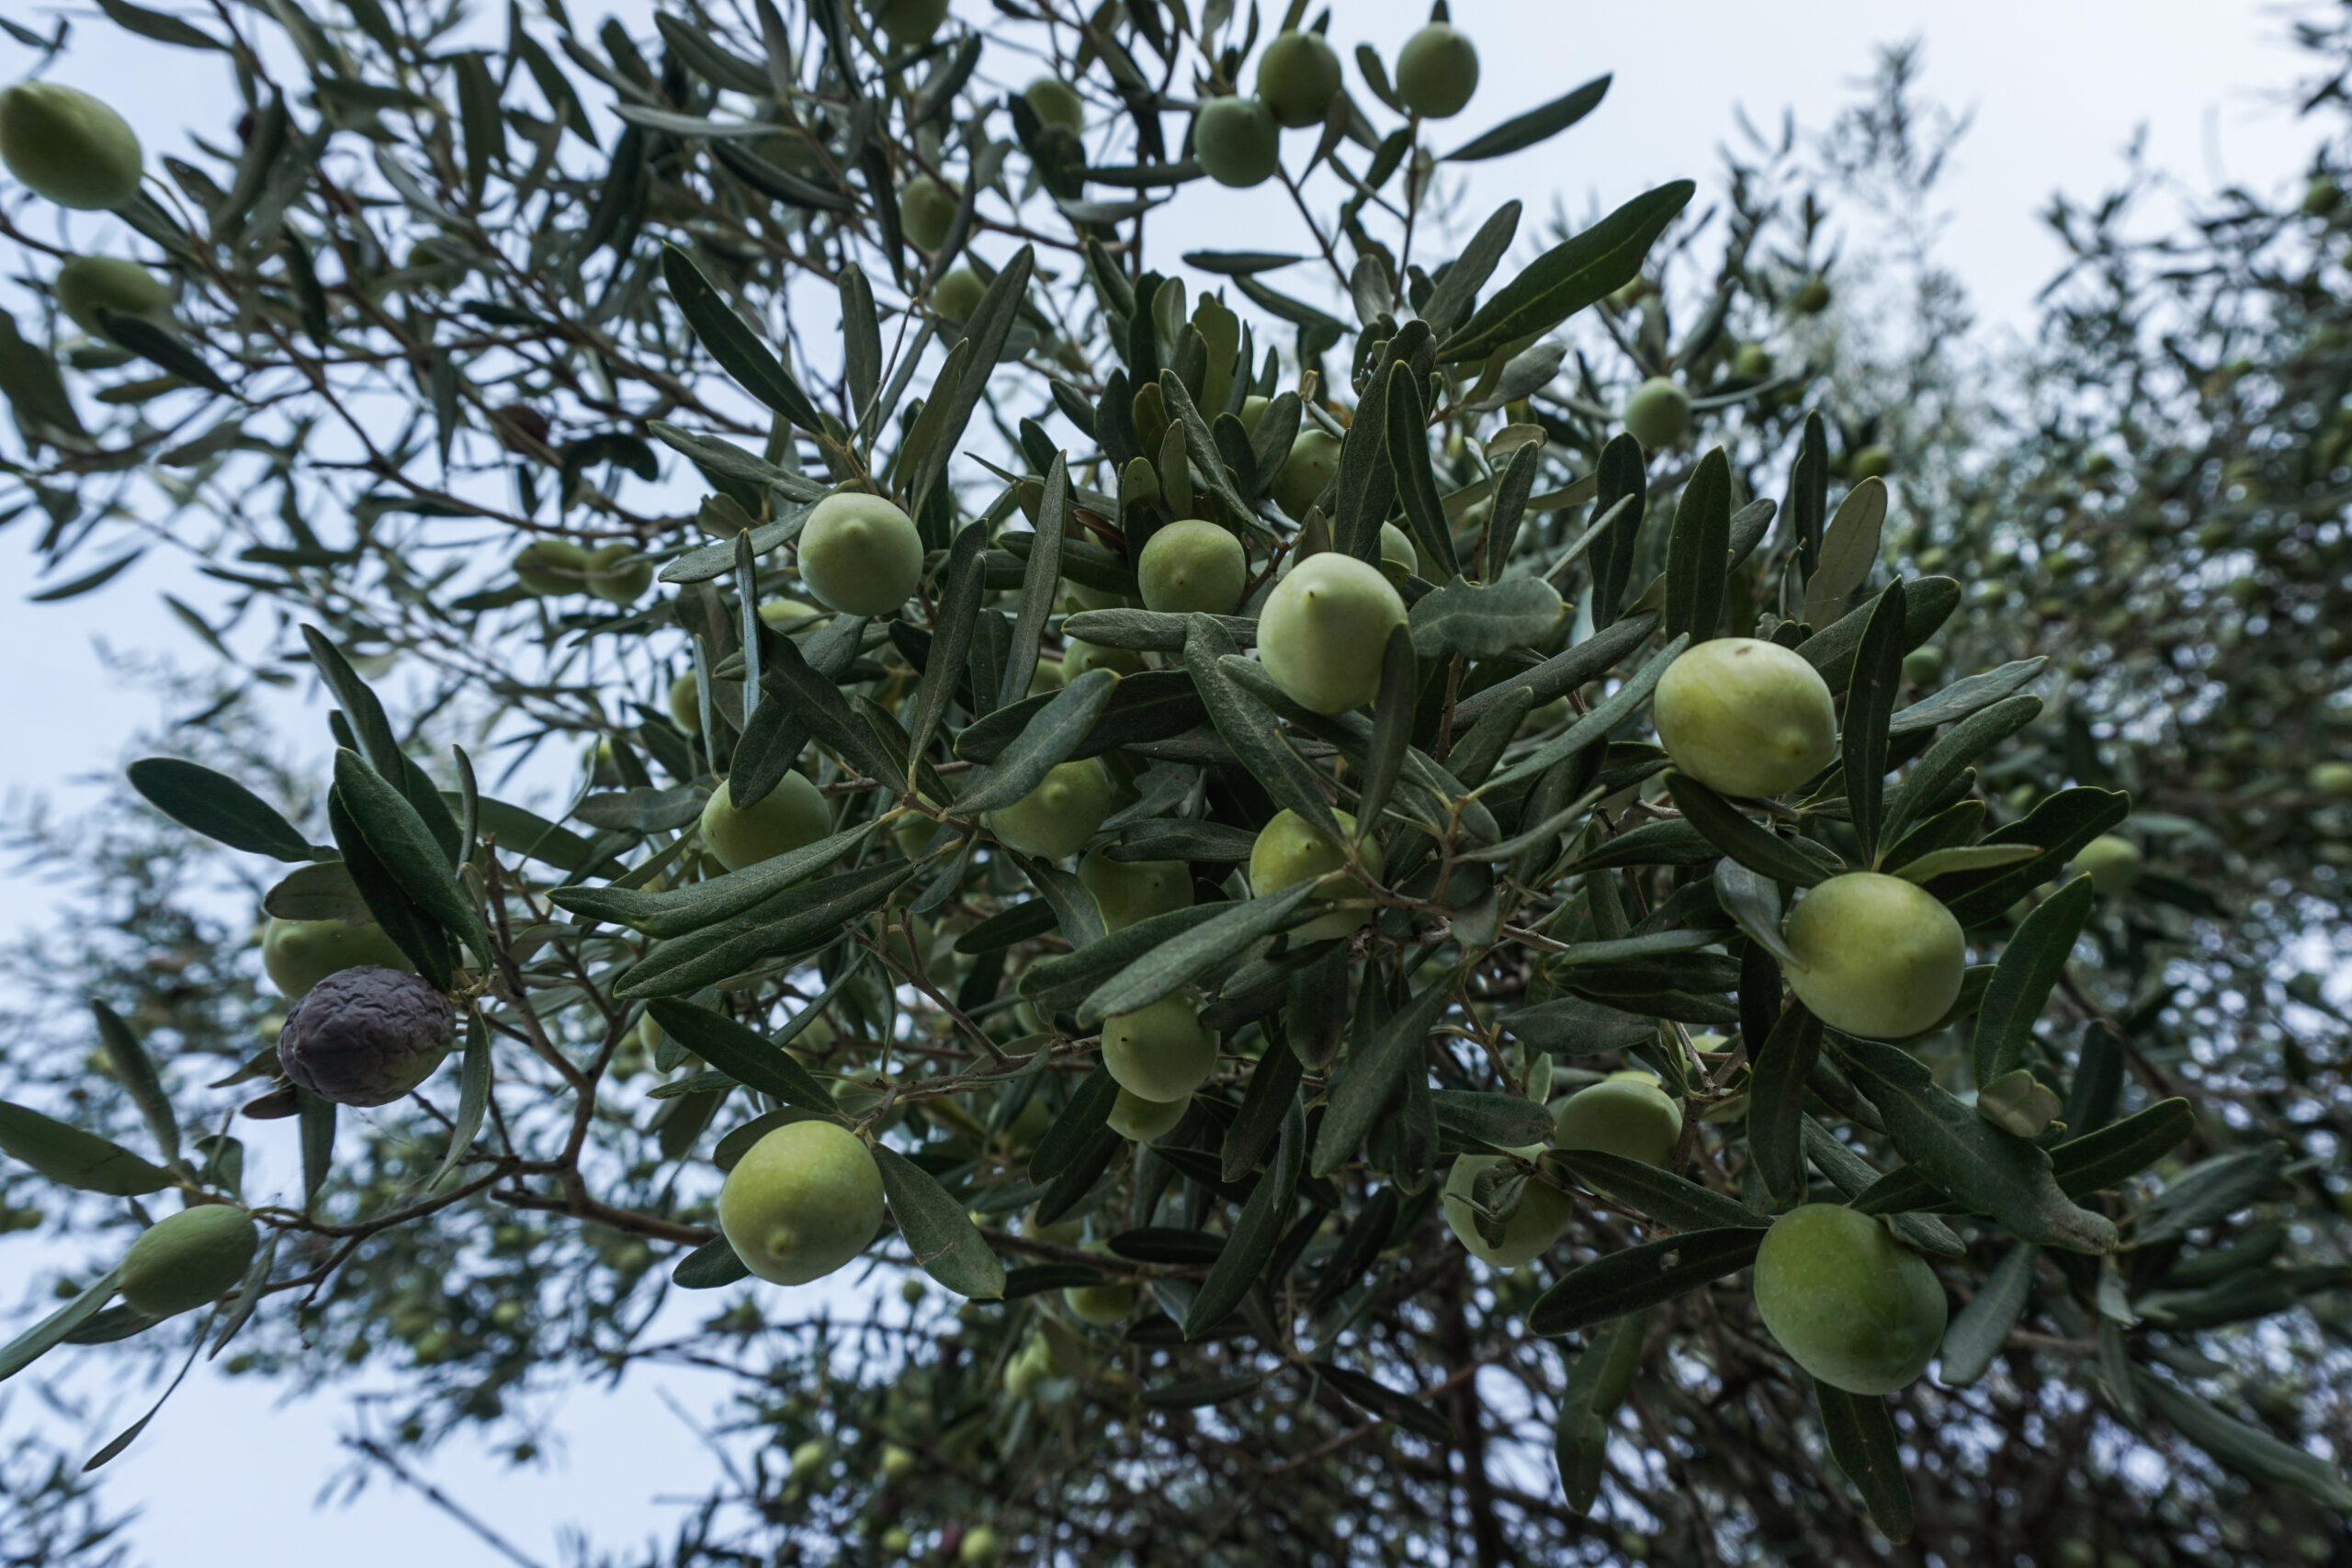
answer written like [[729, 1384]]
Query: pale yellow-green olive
[[1141, 1121], [1540, 1220], [1132, 890], [1882, 958], [790, 816], [1192, 565], [1055, 819], [2112, 863], [614, 577], [1849, 1303], [189, 1259], [298, 955], [552, 566], [1658, 414], [1057, 103], [1395, 545], [1289, 850], [1628, 1115], [802, 1202], [860, 555], [1313, 463], [1323, 629], [1159, 1052], [1745, 716], [957, 294]]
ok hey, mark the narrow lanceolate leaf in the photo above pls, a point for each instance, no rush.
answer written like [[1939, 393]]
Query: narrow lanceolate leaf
[[217, 806], [1569, 277], [708, 1267], [1049, 739], [1505, 1121], [1698, 549], [67, 1155], [165, 351], [1458, 288], [1861, 1437], [1732, 832], [1256, 1231], [1251, 730], [1485, 620], [50, 1332], [1593, 727], [368, 722], [1408, 460], [1538, 124], [1753, 901], [1059, 982], [1655, 1194], [2030, 966], [1967, 1155], [135, 1070], [2059, 827], [1974, 1337], [1633, 1277], [820, 705], [1848, 550], [737, 349], [1939, 767], [1596, 1382], [1374, 1074], [946, 1243], [2208, 1191], [1071, 1130], [951, 641], [1775, 1103], [1041, 584], [1870, 701], [677, 911], [1273, 1089], [1410, 1410], [2247, 1449], [473, 1098], [406, 846], [418, 936], [797, 921], [1392, 728], [1175, 964], [741, 1053]]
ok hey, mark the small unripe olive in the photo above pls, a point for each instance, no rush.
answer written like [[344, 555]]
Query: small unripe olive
[[926, 211], [979, 1548], [68, 146], [802, 1202], [1161, 1052], [189, 1259], [1308, 472], [1629, 1116], [1253, 409], [1141, 1121], [2112, 863], [1102, 1305], [957, 294], [686, 704], [1049, 676], [1924, 666], [298, 955], [1289, 850], [1131, 890], [1849, 1303], [1057, 103], [1882, 957], [860, 555], [1540, 1220], [1746, 718], [1299, 75], [909, 22], [791, 816], [1236, 141], [1055, 819], [1873, 462], [1323, 630], [614, 577], [1437, 71], [87, 285], [1752, 362], [1812, 296], [1191, 565], [552, 567], [808, 1459], [2321, 196], [897, 1463], [2330, 778], [1079, 656], [1658, 413], [791, 615], [1397, 546]]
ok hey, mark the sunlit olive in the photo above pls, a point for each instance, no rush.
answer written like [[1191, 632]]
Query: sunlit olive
[[2112, 863], [686, 704], [1873, 462]]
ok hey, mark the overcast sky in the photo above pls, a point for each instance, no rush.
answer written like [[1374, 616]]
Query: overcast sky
[[2057, 87]]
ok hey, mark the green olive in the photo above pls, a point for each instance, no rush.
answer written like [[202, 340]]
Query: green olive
[[614, 576], [686, 704], [1629, 1116], [68, 146], [1812, 296], [1871, 462], [298, 955], [2330, 778], [2112, 863], [1160, 1052], [1128, 891], [1192, 564], [1752, 362], [860, 555], [189, 1259], [1658, 413], [1299, 75], [802, 1202], [1141, 1121], [87, 285], [1323, 629], [1102, 1305], [926, 211], [1236, 141], [909, 22], [791, 615], [550, 567], [790, 816], [1746, 718], [1540, 1220], [1054, 820], [957, 294], [1289, 850], [1879, 956], [1849, 1303], [1437, 71], [1397, 546], [1057, 103], [1308, 472], [1079, 656]]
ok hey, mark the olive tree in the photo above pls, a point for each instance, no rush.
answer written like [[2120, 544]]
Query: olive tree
[[1373, 866]]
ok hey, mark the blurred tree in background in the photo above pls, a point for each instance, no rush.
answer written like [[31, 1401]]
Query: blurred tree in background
[[503, 375]]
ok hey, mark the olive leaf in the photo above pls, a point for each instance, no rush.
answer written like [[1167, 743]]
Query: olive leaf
[[946, 1243], [1569, 277], [219, 807]]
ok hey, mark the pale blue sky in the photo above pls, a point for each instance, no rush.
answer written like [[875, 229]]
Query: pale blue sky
[[2057, 89]]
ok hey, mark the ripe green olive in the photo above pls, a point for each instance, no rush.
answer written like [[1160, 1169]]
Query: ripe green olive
[[1191, 565], [1882, 957], [1141, 1121], [1873, 462], [791, 615], [1308, 472], [1055, 819], [1540, 1220], [1628, 1115], [1160, 1052], [979, 1548], [1849, 1303], [1057, 103], [2330, 778], [909, 22], [189, 1259], [1324, 628], [1079, 656], [87, 285], [1812, 296], [614, 577], [686, 704], [1236, 141], [1131, 890], [790, 816], [1289, 850], [2112, 863], [1253, 409], [1437, 71], [802, 1202], [552, 567], [860, 555], [1102, 1305], [1397, 546], [68, 146], [1658, 414], [927, 210], [957, 294], [298, 955], [1746, 718], [1299, 75], [1751, 362]]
